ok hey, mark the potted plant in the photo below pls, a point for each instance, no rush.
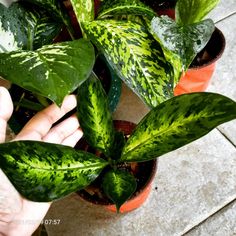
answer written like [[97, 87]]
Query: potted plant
[[45, 172], [191, 43], [120, 30], [51, 71]]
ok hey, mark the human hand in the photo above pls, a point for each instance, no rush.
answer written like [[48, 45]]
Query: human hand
[[19, 216]]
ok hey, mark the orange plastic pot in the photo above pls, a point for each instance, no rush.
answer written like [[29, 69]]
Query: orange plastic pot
[[142, 194], [197, 78]]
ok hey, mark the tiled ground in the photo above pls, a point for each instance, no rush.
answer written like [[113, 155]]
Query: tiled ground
[[193, 185]]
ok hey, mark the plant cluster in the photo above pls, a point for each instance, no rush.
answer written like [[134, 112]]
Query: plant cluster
[[147, 52], [45, 172]]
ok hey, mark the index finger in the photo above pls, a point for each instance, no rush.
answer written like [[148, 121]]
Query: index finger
[[42, 122]]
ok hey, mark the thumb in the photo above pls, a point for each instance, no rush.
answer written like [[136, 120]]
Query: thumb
[[6, 109]]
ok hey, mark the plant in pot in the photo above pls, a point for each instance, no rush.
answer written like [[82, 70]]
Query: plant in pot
[[191, 43], [30, 59], [45, 172]]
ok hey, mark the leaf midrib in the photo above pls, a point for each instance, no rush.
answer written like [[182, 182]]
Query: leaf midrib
[[63, 169], [161, 133]]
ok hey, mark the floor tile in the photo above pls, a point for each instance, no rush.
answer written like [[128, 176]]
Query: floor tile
[[220, 224], [130, 107], [223, 9], [224, 78]]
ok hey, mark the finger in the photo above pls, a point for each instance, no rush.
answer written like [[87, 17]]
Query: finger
[[42, 122], [61, 131], [6, 109], [73, 139]]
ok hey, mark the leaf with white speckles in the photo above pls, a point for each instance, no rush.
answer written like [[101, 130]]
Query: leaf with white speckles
[[23, 27], [52, 71], [44, 172], [184, 41]]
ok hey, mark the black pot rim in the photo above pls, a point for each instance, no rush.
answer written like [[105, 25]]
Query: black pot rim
[[217, 33]]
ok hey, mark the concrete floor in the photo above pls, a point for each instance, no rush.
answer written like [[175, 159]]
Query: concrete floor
[[194, 191]]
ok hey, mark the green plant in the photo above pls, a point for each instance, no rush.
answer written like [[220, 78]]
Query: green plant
[[45, 172], [183, 38], [54, 70], [147, 52]]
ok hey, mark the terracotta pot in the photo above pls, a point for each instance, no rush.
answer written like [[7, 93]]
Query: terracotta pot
[[142, 194], [197, 78]]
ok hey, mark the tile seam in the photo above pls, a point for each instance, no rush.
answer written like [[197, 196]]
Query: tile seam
[[211, 214], [226, 17], [226, 137]]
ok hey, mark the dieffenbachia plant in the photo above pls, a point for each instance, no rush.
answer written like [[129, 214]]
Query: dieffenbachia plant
[[29, 59], [135, 56], [45, 172], [188, 34]]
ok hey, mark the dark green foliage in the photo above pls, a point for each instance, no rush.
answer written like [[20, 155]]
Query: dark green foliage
[[97, 126], [44, 172]]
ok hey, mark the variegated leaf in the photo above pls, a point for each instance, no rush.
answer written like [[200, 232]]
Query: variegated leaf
[[192, 11], [177, 122], [125, 7], [22, 27], [84, 10], [119, 186], [94, 115], [44, 172], [52, 71], [57, 10], [184, 41], [136, 57]]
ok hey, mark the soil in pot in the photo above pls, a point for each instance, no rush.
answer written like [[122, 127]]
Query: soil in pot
[[143, 172], [199, 74]]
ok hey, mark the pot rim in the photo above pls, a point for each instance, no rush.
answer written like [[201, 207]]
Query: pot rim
[[219, 54]]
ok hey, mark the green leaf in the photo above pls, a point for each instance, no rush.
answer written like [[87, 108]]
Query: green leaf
[[184, 41], [23, 27], [84, 10], [177, 122], [115, 89], [44, 172], [94, 115], [52, 71], [125, 7], [193, 11], [119, 186], [118, 145], [57, 10], [136, 57]]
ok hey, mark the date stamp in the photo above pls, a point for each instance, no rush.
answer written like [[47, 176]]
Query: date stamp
[[51, 221]]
